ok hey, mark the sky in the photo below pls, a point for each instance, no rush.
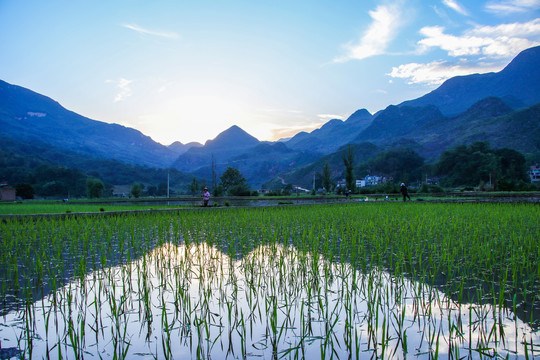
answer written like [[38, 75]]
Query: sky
[[186, 70]]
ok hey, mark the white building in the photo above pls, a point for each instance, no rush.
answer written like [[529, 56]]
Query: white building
[[534, 174]]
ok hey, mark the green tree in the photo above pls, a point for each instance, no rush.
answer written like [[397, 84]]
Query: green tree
[[194, 187], [327, 182], [348, 161], [151, 190], [401, 164], [162, 189], [24, 190], [513, 164], [54, 188], [477, 164], [287, 190], [94, 188], [239, 190], [232, 179], [218, 190], [136, 189]]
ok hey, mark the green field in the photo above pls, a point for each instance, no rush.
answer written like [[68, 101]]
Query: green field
[[66, 208], [363, 279]]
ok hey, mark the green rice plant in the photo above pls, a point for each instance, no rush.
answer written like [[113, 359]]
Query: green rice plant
[[323, 280]]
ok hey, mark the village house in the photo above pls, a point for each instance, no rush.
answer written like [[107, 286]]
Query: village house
[[7, 193], [534, 174], [372, 180], [369, 180]]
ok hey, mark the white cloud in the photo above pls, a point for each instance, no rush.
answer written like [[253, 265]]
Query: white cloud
[[530, 28], [329, 117], [290, 131], [436, 72], [512, 6], [452, 4], [502, 41], [492, 45], [383, 29], [141, 30], [124, 89]]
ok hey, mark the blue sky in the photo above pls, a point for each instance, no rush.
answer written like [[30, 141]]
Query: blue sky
[[188, 69]]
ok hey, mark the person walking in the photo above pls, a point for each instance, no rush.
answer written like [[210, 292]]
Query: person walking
[[206, 196], [404, 192]]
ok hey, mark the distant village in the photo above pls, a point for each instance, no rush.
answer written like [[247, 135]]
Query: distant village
[[8, 192]]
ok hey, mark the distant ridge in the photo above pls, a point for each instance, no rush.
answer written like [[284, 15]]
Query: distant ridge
[[333, 134], [397, 121], [178, 148], [27, 115], [234, 137], [231, 142], [518, 84]]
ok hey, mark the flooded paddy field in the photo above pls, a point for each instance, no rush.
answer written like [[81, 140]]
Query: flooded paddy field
[[372, 280]]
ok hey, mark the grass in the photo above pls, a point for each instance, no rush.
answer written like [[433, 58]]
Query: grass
[[28, 208]]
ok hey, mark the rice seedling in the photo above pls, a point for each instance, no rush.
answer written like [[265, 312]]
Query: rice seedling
[[334, 281]]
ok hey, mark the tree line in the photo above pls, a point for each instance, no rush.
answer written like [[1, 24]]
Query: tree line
[[31, 174], [471, 166], [474, 166]]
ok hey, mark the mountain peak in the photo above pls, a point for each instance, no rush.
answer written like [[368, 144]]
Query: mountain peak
[[488, 108], [359, 115], [233, 137], [527, 59]]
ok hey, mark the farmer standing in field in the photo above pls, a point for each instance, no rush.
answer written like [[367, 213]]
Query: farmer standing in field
[[404, 192], [206, 196]]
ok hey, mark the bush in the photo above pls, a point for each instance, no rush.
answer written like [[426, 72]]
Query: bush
[[385, 188], [240, 190], [426, 188], [24, 190], [94, 188], [273, 193], [218, 191]]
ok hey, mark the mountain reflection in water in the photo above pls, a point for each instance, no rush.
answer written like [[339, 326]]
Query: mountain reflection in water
[[196, 301]]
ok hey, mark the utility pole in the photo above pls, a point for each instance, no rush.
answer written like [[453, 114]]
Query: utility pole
[[167, 184], [214, 180]]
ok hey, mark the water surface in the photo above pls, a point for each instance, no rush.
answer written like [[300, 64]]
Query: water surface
[[194, 301]]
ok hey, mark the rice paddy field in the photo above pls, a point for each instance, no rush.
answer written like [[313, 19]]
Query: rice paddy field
[[43, 207], [336, 281]]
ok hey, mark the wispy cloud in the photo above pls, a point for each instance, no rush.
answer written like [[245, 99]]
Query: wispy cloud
[[505, 40], [124, 88], [436, 72], [386, 21], [141, 30], [290, 131], [327, 117], [512, 6], [454, 5], [480, 49]]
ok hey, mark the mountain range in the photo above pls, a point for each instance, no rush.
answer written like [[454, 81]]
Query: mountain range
[[28, 116], [502, 108]]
